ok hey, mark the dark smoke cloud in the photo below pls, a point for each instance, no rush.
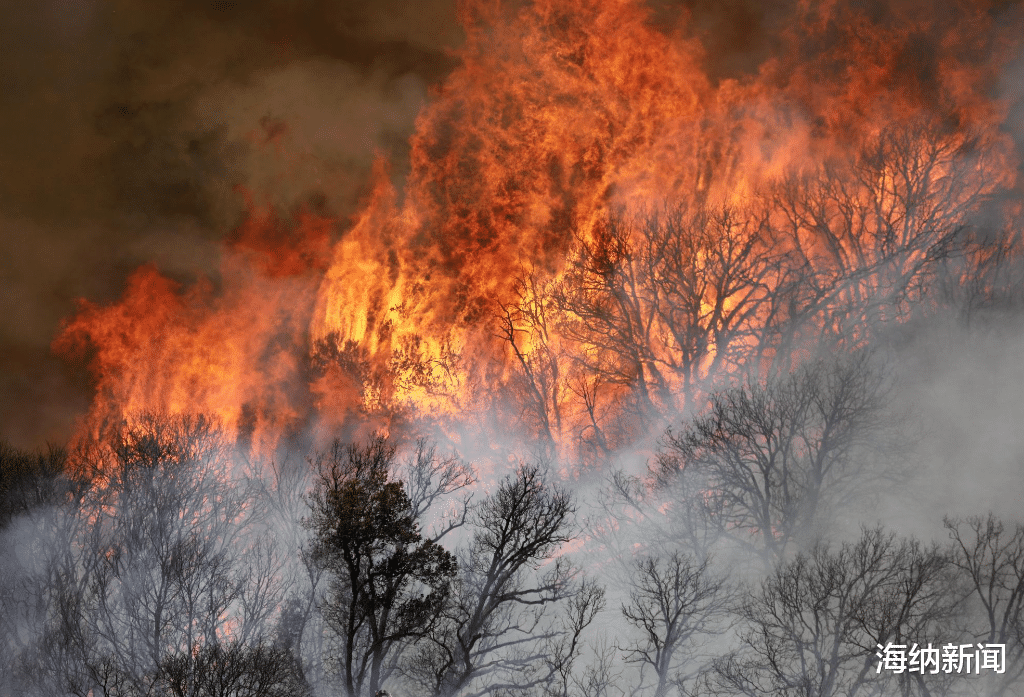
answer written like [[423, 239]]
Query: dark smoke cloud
[[127, 126]]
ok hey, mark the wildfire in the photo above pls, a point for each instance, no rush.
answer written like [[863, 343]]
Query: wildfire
[[593, 232]]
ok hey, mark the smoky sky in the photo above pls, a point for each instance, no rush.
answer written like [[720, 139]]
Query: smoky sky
[[128, 129], [131, 132]]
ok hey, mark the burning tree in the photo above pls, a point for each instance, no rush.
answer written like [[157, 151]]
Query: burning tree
[[653, 311], [594, 234]]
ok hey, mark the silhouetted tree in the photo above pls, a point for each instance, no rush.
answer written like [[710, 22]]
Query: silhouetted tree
[[662, 302], [512, 626], [874, 230], [600, 677], [388, 585], [430, 479], [538, 386], [671, 602], [233, 670], [655, 309], [28, 480]]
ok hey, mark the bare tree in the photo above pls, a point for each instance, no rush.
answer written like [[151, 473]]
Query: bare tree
[[539, 379], [36, 491], [601, 676], [157, 558], [503, 631], [768, 466], [661, 302], [990, 559], [671, 603], [655, 309], [29, 480], [874, 230], [233, 670], [430, 480], [813, 627], [563, 647]]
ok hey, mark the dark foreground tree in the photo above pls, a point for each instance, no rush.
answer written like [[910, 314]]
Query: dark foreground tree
[[512, 626], [233, 670], [388, 585], [29, 480]]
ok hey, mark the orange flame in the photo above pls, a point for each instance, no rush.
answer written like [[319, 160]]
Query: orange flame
[[576, 161], [233, 352]]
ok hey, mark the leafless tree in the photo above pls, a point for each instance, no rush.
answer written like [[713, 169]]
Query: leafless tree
[[601, 676], [768, 465], [564, 647], [538, 382], [661, 301], [430, 481], [813, 627], [36, 488], [504, 631], [671, 603], [156, 559], [656, 309], [29, 480], [232, 670], [990, 559], [874, 230]]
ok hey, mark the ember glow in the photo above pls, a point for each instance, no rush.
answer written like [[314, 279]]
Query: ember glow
[[594, 233]]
